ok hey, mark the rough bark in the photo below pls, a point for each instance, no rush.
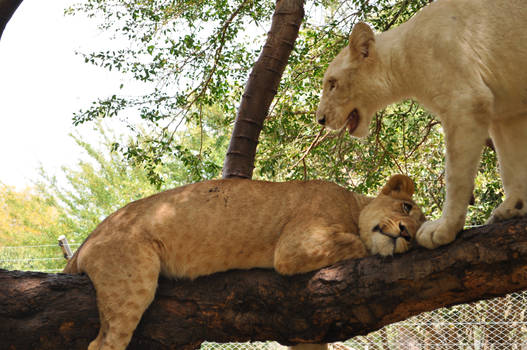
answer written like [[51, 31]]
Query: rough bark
[[261, 88], [7, 9], [47, 311]]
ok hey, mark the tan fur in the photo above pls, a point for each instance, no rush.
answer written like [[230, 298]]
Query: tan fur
[[465, 61], [214, 226]]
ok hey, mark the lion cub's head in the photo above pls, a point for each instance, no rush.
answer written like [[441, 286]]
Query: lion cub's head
[[388, 224], [352, 85]]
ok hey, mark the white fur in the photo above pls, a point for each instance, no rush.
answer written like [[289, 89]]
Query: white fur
[[466, 62]]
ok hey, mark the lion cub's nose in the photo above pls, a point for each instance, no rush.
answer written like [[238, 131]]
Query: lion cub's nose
[[404, 232], [322, 120]]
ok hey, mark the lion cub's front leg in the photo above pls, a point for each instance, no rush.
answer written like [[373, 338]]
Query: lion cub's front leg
[[309, 246], [305, 247]]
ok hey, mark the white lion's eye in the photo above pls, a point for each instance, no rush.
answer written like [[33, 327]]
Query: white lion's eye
[[407, 207]]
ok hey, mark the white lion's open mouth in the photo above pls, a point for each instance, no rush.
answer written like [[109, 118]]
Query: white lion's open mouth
[[353, 121]]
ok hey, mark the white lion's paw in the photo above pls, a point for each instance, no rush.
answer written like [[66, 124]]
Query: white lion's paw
[[510, 208], [433, 234]]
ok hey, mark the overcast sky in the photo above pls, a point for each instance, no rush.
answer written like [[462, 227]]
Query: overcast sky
[[42, 83]]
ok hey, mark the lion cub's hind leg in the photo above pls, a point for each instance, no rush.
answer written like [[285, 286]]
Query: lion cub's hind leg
[[510, 140], [125, 287]]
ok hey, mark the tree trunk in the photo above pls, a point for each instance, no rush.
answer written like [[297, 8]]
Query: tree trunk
[[7, 9], [261, 88], [47, 311]]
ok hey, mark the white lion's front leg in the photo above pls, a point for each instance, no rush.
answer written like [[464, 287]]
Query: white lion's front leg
[[434, 233], [510, 141], [464, 143], [514, 206]]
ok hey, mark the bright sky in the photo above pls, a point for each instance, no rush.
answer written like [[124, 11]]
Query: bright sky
[[42, 83]]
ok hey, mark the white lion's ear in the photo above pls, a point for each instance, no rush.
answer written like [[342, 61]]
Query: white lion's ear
[[399, 186], [362, 40]]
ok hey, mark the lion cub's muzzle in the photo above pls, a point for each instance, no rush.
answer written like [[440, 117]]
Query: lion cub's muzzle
[[403, 233], [398, 234]]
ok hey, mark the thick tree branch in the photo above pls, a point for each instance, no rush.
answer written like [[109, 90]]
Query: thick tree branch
[[7, 9], [261, 88], [46, 311]]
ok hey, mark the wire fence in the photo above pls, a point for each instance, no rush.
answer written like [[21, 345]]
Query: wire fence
[[495, 324], [44, 258]]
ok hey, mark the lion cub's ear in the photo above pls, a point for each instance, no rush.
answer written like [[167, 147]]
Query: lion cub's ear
[[399, 186], [362, 39]]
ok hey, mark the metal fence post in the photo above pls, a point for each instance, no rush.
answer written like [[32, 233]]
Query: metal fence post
[[63, 243]]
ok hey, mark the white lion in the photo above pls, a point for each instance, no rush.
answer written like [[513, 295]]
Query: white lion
[[466, 62]]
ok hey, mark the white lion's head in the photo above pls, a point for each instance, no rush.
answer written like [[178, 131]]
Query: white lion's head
[[352, 85]]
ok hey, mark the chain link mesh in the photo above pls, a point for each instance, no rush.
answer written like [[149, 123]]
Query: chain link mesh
[[495, 324]]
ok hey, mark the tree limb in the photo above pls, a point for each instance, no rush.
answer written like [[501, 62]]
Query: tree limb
[[7, 9], [47, 311]]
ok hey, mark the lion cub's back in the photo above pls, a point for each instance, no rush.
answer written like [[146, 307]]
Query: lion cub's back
[[218, 225]]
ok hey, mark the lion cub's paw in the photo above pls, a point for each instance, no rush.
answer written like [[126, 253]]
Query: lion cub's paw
[[510, 208], [433, 234]]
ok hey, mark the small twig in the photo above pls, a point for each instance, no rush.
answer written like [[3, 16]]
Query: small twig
[[378, 118], [339, 150], [429, 127], [315, 143], [294, 113], [204, 86], [404, 3], [378, 142], [393, 158], [200, 130]]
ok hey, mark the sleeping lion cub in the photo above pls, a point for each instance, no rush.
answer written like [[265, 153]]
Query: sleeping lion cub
[[213, 226], [465, 61]]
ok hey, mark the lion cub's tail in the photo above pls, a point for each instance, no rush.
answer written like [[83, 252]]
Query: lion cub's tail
[[71, 266]]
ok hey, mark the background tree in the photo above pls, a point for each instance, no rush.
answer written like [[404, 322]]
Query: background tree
[[28, 219]]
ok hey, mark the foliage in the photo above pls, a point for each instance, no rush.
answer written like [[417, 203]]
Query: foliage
[[186, 54], [27, 219], [25, 216], [195, 56]]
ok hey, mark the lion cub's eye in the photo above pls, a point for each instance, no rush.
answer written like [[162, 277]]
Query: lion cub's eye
[[407, 207]]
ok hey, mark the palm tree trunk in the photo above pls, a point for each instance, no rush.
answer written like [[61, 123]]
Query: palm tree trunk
[[261, 88]]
